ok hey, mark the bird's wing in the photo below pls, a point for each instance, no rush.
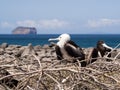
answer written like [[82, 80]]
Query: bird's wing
[[73, 50], [58, 52], [73, 43]]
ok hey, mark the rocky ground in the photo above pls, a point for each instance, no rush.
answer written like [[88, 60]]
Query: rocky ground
[[37, 68]]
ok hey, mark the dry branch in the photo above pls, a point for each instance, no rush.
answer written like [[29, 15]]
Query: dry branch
[[42, 71]]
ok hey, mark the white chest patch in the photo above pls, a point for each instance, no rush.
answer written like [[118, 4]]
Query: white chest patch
[[63, 51]]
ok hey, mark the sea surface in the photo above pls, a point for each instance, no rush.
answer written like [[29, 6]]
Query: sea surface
[[83, 40]]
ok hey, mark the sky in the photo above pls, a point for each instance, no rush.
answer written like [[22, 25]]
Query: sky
[[61, 16]]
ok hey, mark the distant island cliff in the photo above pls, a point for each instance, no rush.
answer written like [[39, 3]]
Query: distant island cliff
[[24, 30]]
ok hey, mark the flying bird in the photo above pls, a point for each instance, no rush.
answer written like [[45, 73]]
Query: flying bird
[[67, 49]]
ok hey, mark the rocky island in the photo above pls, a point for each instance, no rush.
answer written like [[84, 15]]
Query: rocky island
[[24, 30]]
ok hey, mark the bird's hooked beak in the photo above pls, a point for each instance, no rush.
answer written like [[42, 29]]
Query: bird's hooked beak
[[53, 39], [106, 46]]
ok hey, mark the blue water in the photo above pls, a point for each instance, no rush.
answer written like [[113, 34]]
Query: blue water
[[83, 40]]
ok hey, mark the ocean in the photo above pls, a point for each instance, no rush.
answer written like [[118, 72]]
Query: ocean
[[83, 40]]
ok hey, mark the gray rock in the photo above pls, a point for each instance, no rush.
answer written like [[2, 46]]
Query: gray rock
[[37, 48], [28, 50], [114, 53], [1, 51], [20, 51], [9, 52], [46, 46], [4, 45]]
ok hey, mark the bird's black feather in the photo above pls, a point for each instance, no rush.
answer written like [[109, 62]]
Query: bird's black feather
[[58, 52]]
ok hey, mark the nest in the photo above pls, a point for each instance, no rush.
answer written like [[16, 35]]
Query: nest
[[37, 68]]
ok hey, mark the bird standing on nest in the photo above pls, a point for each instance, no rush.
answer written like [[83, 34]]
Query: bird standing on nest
[[67, 49], [100, 50]]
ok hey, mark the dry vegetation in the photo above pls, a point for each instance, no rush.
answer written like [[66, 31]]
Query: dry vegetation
[[36, 68]]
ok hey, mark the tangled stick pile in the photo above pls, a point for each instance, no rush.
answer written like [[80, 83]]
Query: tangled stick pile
[[36, 68]]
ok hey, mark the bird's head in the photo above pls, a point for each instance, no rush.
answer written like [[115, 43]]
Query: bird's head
[[103, 44], [62, 39]]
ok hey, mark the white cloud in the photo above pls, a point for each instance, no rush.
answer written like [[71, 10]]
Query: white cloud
[[6, 25], [102, 22], [27, 23], [44, 24], [54, 23]]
